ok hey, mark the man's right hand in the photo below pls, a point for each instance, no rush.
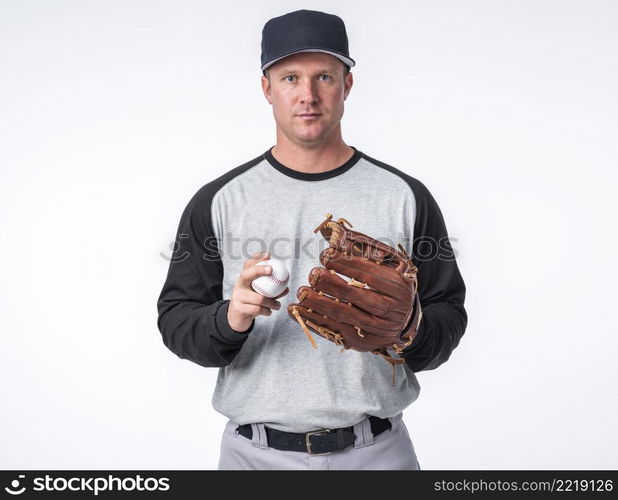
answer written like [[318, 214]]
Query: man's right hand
[[246, 304]]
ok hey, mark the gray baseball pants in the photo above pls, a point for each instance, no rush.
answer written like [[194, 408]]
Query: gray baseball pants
[[389, 450]]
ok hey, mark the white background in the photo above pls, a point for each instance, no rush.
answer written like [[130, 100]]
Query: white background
[[113, 113]]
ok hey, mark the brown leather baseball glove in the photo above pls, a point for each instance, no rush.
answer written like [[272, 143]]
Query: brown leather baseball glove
[[377, 309]]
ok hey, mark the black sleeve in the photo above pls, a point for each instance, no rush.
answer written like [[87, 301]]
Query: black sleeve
[[441, 288], [192, 315]]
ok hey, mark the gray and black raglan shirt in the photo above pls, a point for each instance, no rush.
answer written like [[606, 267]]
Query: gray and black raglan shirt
[[271, 374]]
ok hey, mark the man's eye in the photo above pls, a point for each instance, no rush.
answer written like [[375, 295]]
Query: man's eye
[[323, 74], [288, 77]]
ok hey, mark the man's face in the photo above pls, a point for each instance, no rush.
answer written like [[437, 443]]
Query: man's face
[[307, 91]]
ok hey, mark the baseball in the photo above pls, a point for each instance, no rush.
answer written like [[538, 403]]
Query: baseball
[[273, 284]]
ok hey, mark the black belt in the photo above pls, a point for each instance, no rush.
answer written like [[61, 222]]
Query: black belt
[[319, 442]]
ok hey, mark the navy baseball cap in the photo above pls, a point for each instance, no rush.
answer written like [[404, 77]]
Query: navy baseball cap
[[304, 31]]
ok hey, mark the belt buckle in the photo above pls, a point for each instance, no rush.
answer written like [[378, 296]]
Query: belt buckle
[[308, 441]]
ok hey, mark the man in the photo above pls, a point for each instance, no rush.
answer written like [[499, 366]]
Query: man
[[285, 400]]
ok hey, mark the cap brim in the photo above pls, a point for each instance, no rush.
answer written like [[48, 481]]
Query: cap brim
[[344, 59]]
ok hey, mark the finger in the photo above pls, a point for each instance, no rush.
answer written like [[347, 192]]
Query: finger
[[345, 312], [326, 327], [251, 297], [285, 292], [254, 310], [250, 273], [378, 276], [329, 282], [255, 258]]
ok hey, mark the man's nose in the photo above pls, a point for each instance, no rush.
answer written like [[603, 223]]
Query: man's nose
[[308, 92]]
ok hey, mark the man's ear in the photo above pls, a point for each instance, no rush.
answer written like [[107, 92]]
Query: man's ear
[[348, 82], [266, 89]]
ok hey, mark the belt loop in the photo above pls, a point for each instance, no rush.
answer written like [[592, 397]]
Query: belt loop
[[259, 439], [340, 443], [364, 436]]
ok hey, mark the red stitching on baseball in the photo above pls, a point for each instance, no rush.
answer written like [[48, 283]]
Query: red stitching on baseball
[[260, 289], [276, 280]]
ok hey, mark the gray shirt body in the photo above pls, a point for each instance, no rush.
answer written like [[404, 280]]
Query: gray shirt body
[[271, 374]]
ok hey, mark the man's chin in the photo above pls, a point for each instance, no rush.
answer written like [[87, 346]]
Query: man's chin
[[311, 137]]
